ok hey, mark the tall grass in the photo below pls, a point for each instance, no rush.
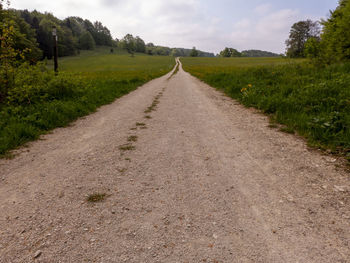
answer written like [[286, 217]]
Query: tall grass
[[41, 101], [312, 101]]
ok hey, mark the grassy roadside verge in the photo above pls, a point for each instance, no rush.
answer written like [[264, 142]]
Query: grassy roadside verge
[[314, 102], [41, 101]]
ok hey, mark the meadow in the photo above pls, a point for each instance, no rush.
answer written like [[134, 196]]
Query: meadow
[[299, 97], [41, 101]]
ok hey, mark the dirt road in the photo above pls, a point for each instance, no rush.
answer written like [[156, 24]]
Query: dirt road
[[202, 179]]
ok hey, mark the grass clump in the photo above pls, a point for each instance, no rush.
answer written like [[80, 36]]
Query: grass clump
[[175, 71], [127, 147], [303, 98], [140, 124], [97, 197], [132, 138], [154, 104]]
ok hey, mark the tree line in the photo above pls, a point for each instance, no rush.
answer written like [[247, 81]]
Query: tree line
[[33, 32], [231, 52], [136, 44], [74, 34]]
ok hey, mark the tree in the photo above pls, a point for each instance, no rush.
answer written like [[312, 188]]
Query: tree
[[25, 37], [128, 43], [194, 52], [312, 48], [140, 45], [298, 36], [258, 53], [225, 53], [175, 52], [335, 39], [86, 41], [230, 52], [101, 34], [76, 25], [10, 55]]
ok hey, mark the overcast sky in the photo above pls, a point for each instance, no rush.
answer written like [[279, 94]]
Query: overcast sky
[[210, 25]]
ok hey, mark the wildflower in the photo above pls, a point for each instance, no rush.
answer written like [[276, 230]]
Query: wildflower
[[250, 85]]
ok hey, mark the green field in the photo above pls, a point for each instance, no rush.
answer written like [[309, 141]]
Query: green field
[[226, 63], [312, 101], [41, 101], [120, 62]]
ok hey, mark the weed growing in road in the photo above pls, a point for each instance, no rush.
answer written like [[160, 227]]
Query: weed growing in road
[[149, 110], [140, 124], [175, 71], [154, 103], [148, 117], [132, 138], [122, 170], [97, 197], [127, 147]]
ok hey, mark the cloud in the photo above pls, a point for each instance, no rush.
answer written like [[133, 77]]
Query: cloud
[[173, 22], [263, 9], [243, 24], [269, 32]]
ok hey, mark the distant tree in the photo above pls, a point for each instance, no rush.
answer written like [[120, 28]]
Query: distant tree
[[258, 53], [299, 35], [225, 53], [101, 34], [67, 46], [128, 43], [86, 41], [161, 51], [25, 37], [175, 52], [230, 52], [115, 42], [149, 51], [194, 52], [140, 45], [76, 25]]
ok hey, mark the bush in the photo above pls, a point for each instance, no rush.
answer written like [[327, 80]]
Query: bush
[[35, 84]]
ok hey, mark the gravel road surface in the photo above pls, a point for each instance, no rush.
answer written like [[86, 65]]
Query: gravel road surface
[[187, 175]]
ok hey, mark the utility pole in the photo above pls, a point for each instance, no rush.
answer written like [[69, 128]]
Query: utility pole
[[55, 49]]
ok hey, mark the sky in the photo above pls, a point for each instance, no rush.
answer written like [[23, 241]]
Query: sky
[[209, 25]]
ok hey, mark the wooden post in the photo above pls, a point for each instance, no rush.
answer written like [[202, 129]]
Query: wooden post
[[55, 48]]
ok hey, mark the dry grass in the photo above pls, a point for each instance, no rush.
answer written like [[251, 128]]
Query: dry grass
[[97, 197]]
